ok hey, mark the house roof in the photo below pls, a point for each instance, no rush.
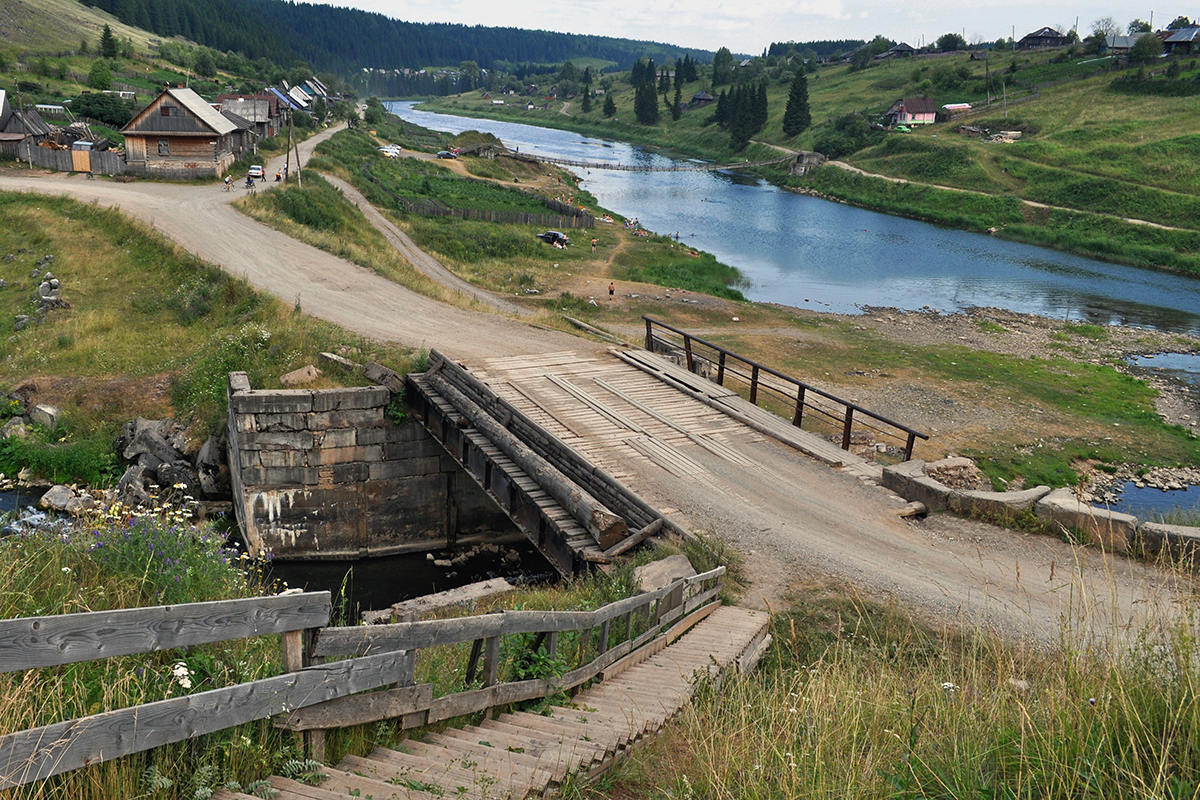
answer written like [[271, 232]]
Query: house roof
[[283, 98], [920, 105], [702, 96], [5, 111], [1183, 35], [242, 123], [1044, 33], [27, 122], [903, 47], [194, 104], [254, 109], [1113, 42]]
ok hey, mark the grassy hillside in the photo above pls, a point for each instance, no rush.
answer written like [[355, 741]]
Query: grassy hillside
[[1105, 154], [58, 25]]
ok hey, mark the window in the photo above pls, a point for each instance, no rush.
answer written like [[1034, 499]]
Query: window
[[165, 111], [164, 147]]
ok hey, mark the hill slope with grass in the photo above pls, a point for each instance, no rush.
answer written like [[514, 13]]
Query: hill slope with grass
[[1099, 144]]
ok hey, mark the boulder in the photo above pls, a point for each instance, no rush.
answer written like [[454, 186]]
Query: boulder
[[179, 475], [212, 452], [21, 322], [131, 489], [658, 574], [14, 427], [57, 498], [215, 481], [45, 415], [298, 377], [81, 504], [149, 440]]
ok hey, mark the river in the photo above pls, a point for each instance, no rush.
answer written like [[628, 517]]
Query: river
[[811, 253]]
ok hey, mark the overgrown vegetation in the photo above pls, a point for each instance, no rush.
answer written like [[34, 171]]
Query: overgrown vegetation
[[857, 700], [151, 331]]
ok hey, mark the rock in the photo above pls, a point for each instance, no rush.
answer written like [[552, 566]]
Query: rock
[[151, 441], [442, 562], [45, 415], [21, 323], [215, 481], [131, 489], [81, 504], [332, 359], [306, 374], [658, 574], [14, 427], [179, 475], [212, 453], [57, 498]]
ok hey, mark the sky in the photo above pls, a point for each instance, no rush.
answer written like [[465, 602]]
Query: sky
[[749, 27]]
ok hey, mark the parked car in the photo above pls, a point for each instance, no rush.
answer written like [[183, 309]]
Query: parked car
[[390, 150], [446, 154], [555, 238], [256, 172]]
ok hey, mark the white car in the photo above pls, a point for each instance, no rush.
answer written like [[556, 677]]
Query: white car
[[255, 172]]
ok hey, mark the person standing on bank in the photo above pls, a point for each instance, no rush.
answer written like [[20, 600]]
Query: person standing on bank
[[593, 244], [612, 287]]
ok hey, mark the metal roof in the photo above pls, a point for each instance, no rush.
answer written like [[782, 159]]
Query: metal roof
[[198, 106]]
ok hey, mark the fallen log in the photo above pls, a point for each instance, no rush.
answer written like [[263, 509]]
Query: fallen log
[[604, 526]]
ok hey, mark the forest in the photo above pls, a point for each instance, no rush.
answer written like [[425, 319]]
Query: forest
[[343, 39]]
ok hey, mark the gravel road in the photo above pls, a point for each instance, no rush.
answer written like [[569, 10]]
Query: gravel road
[[201, 220]]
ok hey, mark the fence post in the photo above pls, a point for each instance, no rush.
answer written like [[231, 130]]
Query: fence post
[[649, 336], [799, 407], [602, 648], [754, 385], [908, 448], [295, 658], [846, 429], [491, 666], [687, 349], [721, 370]]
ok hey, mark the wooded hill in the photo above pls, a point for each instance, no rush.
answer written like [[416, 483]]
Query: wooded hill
[[343, 39]]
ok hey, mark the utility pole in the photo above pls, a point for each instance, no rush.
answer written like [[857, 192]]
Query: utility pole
[[287, 163], [24, 132]]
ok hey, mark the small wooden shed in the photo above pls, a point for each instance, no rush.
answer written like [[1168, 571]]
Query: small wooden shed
[[179, 135]]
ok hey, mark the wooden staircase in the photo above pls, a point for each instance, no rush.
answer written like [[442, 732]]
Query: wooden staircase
[[520, 753]]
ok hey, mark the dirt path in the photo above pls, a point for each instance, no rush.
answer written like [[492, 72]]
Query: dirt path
[[1031, 203], [201, 220]]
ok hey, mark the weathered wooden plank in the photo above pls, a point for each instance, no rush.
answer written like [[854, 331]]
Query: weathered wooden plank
[[53, 749], [35, 642], [409, 610], [359, 709], [362, 639]]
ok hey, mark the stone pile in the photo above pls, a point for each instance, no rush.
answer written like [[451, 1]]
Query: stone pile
[[49, 291], [957, 472], [165, 456]]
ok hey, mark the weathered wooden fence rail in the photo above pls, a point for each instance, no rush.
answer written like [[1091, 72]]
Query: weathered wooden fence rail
[[567, 162], [311, 695], [721, 365]]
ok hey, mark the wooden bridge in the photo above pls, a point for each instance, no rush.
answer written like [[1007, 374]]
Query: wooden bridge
[[643, 656], [559, 439]]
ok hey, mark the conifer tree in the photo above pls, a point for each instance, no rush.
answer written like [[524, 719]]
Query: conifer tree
[[760, 114], [586, 103], [610, 107], [645, 104], [797, 117], [677, 106], [108, 43], [721, 115]]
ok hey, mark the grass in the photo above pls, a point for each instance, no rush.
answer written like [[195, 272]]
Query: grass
[[151, 331], [857, 700]]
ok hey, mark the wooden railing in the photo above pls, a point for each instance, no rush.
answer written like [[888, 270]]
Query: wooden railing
[[721, 365], [312, 696]]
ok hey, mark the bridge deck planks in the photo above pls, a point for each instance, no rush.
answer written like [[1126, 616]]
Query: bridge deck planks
[[520, 753]]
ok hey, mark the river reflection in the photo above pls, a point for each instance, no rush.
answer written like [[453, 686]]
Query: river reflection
[[811, 253]]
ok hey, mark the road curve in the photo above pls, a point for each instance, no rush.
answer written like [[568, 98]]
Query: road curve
[[200, 219]]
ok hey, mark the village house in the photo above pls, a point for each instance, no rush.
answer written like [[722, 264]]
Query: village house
[[912, 111], [1184, 40], [701, 99], [260, 109], [1042, 37], [179, 135]]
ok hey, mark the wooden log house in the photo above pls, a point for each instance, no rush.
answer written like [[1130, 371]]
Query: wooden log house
[[179, 135]]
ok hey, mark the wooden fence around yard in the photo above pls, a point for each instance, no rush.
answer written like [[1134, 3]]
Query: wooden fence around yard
[[373, 681]]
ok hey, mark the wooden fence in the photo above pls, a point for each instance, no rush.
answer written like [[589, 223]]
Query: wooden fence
[[102, 162], [311, 695], [721, 365]]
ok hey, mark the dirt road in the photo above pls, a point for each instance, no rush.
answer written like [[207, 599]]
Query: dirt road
[[201, 220], [817, 523]]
